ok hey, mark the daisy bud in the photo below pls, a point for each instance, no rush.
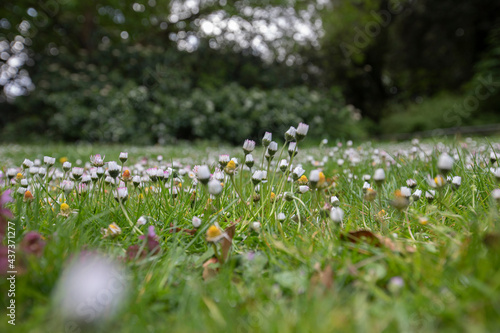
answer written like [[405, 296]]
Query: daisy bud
[[301, 131], [219, 175], [456, 182], [337, 214], [94, 176], [77, 172], [203, 174], [113, 169], [366, 186], [297, 172], [21, 190], [110, 180], [303, 189], [121, 194], [290, 134], [445, 163], [249, 162], [223, 160], [335, 201], [100, 172], [288, 196], [257, 177], [281, 217], [248, 146], [429, 195], [214, 187], [123, 157], [367, 178], [196, 221], [27, 164], [66, 166], [49, 160], [292, 149], [37, 162], [283, 165], [379, 176], [67, 186], [97, 160], [136, 180], [86, 179], [272, 148], [266, 140], [24, 182], [12, 172], [411, 183], [42, 172], [314, 178], [416, 195]]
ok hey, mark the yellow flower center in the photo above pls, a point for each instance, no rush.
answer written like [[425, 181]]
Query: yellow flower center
[[19, 176], [64, 207], [231, 165], [63, 159], [322, 178], [303, 179], [213, 232]]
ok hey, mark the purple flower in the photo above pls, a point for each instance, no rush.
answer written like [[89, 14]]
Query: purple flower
[[152, 245], [4, 212], [5, 198]]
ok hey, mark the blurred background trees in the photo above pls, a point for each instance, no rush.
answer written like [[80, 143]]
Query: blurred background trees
[[158, 71]]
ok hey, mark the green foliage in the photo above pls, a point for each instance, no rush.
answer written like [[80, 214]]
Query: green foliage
[[441, 111]]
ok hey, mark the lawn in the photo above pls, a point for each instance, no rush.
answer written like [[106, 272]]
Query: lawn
[[370, 238]]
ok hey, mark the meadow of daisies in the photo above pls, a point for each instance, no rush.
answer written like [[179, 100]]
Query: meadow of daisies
[[277, 235]]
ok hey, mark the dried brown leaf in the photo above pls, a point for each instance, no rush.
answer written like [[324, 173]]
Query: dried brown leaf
[[228, 240], [208, 270]]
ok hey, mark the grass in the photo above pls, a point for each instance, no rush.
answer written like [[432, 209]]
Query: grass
[[297, 275]]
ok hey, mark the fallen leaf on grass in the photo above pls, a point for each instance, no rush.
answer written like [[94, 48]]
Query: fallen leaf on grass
[[210, 268], [368, 237], [228, 240], [322, 277]]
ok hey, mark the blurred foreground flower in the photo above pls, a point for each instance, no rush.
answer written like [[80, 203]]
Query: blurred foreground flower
[[90, 291]]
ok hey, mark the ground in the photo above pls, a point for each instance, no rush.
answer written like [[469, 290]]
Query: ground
[[379, 262]]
